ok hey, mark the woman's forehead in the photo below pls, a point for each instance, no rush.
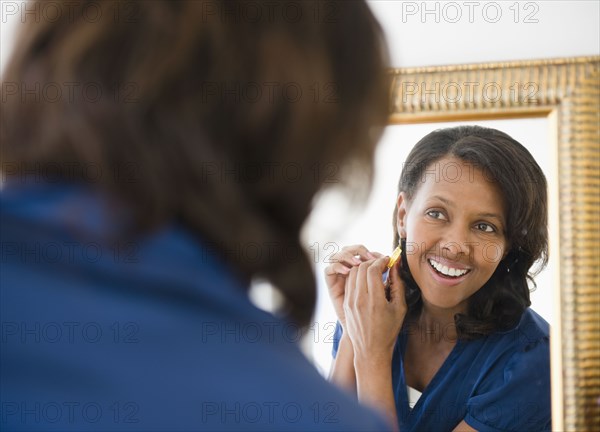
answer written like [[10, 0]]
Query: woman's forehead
[[453, 169], [460, 183]]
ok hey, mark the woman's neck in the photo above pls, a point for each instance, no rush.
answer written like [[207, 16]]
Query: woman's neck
[[437, 324]]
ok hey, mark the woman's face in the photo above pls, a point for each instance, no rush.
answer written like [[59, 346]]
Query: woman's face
[[455, 232]]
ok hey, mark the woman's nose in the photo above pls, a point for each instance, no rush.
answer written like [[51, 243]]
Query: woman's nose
[[456, 243]]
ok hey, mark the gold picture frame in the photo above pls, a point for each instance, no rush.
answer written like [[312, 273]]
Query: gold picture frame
[[567, 92]]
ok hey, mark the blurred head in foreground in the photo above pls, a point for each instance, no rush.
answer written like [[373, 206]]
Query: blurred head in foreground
[[225, 117]]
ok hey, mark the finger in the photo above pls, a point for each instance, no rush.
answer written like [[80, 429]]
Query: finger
[[347, 304], [351, 287], [344, 257], [359, 251], [362, 284], [337, 269], [375, 280], [396, 285]]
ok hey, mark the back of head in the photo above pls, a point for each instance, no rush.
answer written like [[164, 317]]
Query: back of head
[[222, 116]]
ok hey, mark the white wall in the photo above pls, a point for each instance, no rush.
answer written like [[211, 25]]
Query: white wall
[[452, 32], [422, 33]]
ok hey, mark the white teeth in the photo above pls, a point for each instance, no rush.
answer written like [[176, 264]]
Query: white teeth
[[447, 271]]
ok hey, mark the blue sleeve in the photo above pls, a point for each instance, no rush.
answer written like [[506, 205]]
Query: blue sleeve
[[519, 398], [168, 342], [337, 335]]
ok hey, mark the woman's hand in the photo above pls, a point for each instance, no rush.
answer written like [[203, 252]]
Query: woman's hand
[[336, 274], [372, 322]]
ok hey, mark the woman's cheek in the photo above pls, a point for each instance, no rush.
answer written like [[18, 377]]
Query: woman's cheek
[[490, 254]]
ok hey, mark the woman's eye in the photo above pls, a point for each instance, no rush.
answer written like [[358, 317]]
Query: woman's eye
[[436, 214], [485, 227]]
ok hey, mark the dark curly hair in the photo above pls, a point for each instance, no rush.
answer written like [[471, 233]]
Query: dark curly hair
[[499, 304], [192, 92]]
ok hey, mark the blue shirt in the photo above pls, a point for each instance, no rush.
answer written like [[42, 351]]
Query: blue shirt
[[103, 333], [497, 383]]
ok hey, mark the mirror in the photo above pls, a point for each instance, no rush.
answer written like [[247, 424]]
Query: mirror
[[550, 106]]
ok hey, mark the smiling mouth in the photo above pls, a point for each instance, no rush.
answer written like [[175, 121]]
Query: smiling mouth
[[447, 272]]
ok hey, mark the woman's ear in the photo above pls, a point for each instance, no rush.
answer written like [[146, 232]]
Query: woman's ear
[[401, 204]]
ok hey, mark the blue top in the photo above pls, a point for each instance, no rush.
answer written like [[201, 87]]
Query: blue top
[[154, 334], [497, 383]]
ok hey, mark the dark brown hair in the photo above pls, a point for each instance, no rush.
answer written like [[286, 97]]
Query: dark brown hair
[[500, 303], [204, 104]]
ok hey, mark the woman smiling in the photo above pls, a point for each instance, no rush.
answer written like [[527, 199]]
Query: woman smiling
[[456, 347]]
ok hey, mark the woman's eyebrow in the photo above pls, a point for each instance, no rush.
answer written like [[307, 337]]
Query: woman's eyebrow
[[484, 214], [492, 215], [444, 200]]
